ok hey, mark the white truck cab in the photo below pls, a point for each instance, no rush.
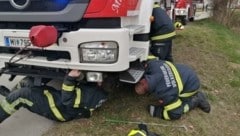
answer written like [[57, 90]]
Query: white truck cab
[[101, 38]]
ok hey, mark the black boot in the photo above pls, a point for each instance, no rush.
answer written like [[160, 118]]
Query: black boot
[[4, 91], [200, 101]]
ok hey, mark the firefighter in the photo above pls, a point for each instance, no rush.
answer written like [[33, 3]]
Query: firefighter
[[75, 100], [175, 87], [161, 34]]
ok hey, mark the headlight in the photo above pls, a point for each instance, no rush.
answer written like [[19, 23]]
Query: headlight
[[94, 77], [99, 52], [180, 12]]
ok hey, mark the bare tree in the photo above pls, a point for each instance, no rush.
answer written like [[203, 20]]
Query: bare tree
[[223, 11]]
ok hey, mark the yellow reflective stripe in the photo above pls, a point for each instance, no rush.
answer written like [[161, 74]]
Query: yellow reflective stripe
[[67, 87], [165, 115], [22, 100], [187, 94], [53, 107], [8, 108], [169, 107], [177, 76], [134, 132], [151, 57], [156, 6], [78, 98], [163, 36], [173, 105], [186, 108]]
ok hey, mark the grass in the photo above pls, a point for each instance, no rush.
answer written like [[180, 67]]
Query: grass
[[214, 53]]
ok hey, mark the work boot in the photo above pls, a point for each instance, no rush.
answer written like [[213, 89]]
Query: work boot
[[200, 101], [4, 91]]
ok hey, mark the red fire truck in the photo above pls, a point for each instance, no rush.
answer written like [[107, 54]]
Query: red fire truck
[[180, 10]]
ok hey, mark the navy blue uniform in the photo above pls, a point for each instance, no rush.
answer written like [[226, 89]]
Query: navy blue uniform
[[174, 85], [71, 102], [161, 33]]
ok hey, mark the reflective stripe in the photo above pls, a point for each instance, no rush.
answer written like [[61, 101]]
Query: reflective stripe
[[173, 105], [8, 108], [67, 87], [78, 98], [186, 108], [163, 36], [134, 132], [53, 107], [184, 95], [169, 107], [179, 82], [177, 77], [22, 100], [151, 57], [156, 6]]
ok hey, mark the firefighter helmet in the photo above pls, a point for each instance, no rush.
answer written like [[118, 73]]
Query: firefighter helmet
[[178, 25]]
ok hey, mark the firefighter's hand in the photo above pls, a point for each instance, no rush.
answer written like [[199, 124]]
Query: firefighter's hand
[[74, 73]]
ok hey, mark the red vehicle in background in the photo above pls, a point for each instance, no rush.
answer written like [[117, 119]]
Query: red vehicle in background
[[180, 10], [184, 11]]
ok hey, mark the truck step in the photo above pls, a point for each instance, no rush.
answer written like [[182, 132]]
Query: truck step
[[135, 53], [133, 29], [131, 76]]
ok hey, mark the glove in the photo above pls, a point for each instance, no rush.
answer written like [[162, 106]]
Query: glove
[[155, 111]]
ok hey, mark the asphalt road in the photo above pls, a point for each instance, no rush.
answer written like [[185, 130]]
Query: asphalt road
[[202, 15]]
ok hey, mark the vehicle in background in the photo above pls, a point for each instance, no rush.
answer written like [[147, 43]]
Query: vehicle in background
[[180, 10]]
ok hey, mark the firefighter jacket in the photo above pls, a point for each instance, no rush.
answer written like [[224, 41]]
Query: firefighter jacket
[[162, 27], [170, 83], [75, 100], [77, 97]]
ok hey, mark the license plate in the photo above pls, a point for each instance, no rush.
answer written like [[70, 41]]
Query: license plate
[[16, 41]]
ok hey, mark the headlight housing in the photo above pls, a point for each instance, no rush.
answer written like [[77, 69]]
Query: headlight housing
[[181, 12], [98, 52]]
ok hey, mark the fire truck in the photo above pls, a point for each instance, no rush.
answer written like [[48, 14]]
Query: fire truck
[[102, 38], [180, 10]]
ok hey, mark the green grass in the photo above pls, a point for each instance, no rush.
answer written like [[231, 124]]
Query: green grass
[[209, 48]]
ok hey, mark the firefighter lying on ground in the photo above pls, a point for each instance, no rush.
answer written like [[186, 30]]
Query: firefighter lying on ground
[[75, 100], [161, 34], [175, 88]]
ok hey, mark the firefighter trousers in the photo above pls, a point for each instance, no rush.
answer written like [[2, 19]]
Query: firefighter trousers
[[34, 99], [162, 50], [185, 105]]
